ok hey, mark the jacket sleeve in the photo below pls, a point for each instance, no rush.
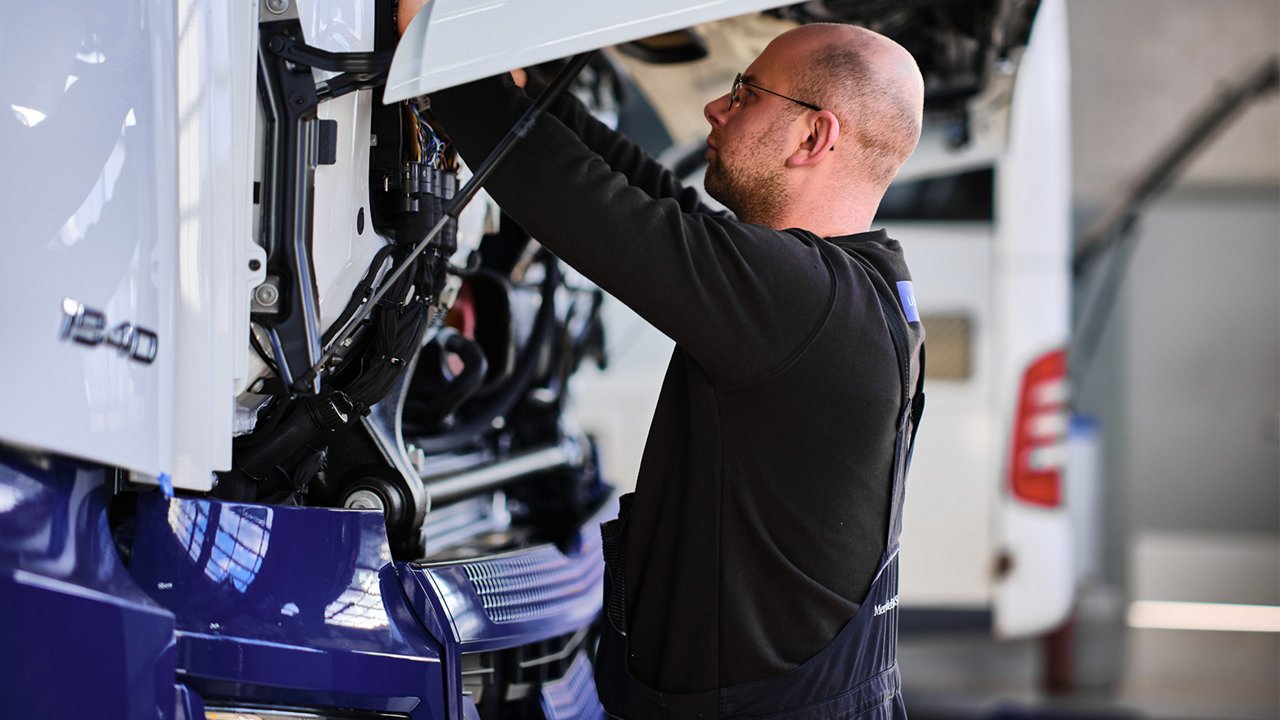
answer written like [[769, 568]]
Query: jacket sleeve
[[739, 299], [624, 156]]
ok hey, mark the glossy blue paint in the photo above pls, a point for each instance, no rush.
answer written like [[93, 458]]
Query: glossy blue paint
[[78, 638], [257, 604], [573, 697], [190, 704], [286, 605], [512, 599], [518, 597]]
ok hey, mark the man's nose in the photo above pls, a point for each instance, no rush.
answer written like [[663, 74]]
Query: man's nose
[[714, 111]]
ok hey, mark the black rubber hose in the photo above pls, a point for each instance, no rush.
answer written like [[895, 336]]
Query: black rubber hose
[[309, 418], [502, 403]]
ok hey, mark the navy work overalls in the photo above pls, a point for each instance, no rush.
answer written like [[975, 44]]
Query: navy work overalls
[[854, 676]]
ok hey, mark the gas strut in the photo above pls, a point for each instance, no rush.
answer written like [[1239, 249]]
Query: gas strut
[[518, 132]]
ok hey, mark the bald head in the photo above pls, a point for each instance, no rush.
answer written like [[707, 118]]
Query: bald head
[[873, 86]]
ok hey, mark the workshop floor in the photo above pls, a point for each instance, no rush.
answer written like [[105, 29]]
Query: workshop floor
[[1168, 675], [1155, 674]]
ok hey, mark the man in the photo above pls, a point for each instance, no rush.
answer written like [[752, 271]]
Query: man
[[753, 571]]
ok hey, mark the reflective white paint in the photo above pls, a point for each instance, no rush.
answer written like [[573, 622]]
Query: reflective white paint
[[455, 41], [88, 138], [1032, 297], [336, 26], [217, 45], [340, 254], [130, 156], [1037, 594]]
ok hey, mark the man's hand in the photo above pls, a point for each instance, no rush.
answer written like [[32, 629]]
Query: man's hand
[[407, 11]]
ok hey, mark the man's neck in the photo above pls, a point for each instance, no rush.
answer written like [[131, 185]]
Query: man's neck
[[815, 207], [827, 219]]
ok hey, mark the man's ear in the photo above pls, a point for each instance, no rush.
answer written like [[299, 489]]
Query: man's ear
[[821, 140]]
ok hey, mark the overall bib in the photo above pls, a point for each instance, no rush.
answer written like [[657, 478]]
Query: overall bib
[[854, 677]]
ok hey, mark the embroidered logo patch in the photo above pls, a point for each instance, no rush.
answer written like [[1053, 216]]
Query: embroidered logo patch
[[908, 298]]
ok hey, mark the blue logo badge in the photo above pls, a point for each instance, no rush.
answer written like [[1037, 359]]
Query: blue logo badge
[[908, 298]]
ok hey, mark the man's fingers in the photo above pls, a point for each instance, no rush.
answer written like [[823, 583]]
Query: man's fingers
[[520, 77]]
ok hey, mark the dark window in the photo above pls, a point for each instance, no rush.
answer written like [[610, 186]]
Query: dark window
[[964, 196]]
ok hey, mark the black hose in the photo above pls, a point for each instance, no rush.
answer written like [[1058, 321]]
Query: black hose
[[363, 291], [481, 419]]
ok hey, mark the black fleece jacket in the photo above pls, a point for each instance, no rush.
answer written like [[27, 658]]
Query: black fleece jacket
[[762, 503]]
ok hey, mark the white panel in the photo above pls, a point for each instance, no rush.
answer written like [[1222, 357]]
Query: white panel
[[455, 41], [215, 95], [341, 255], [88, 143], [240, 233], [951, 490], [1037, 594], [336, 26], [1032, 300]]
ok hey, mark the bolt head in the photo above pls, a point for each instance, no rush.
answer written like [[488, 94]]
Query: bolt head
[[266, 295]]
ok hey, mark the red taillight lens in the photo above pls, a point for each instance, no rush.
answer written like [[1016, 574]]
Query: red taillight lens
[[1040, 432]]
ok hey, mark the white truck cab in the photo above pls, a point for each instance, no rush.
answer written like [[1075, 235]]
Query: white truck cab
[[286, 432]]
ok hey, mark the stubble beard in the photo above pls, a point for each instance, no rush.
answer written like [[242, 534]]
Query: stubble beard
[[750, 185]]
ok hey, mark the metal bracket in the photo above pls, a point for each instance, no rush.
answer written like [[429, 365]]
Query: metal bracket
[[266, 297], [273, 10]]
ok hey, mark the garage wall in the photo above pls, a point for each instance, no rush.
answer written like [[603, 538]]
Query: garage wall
[[1201, 365], [1187, 377], [1140, 66]]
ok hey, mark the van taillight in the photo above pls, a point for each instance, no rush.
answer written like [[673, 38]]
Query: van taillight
[[1040, 432]]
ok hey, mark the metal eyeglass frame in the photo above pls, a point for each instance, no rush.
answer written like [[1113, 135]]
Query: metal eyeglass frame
[[738, 82]]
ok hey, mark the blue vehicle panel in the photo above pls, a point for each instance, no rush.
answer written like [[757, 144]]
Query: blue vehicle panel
[[286, 605], [524, 596], [79, 637], [517, 599], [226, 605]]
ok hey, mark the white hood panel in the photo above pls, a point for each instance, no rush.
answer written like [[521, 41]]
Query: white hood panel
[[455, 41]]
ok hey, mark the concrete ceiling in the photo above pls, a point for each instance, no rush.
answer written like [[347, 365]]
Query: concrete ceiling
[[1140, 68]]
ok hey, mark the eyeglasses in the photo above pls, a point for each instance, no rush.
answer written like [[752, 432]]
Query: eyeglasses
[[738, 82]]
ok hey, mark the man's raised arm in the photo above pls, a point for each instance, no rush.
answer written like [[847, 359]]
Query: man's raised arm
[[738, 298], [622, 154]]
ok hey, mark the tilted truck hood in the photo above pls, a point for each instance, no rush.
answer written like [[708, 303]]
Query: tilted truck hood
[[456, 41]]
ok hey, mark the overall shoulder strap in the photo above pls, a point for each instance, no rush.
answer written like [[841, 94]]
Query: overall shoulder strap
[[912, 405]]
